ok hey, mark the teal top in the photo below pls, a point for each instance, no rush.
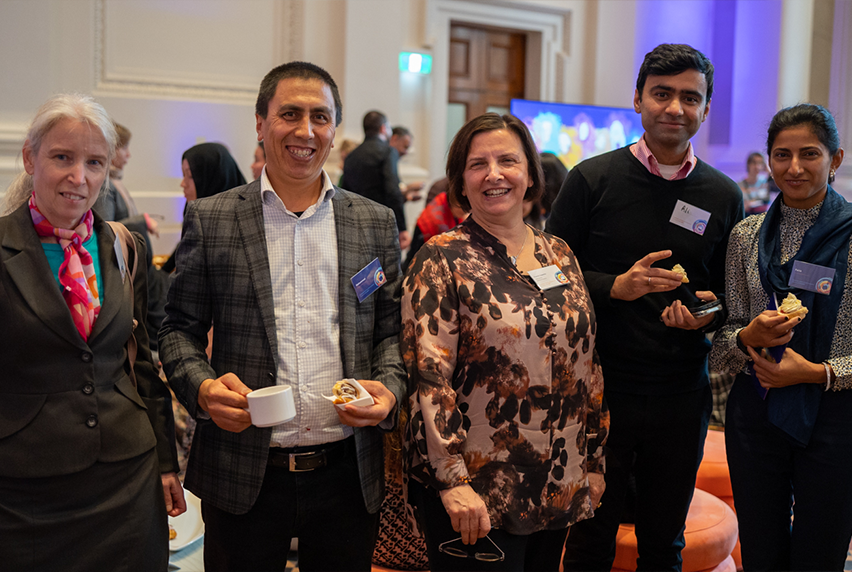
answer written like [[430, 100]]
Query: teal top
[[55, 256]]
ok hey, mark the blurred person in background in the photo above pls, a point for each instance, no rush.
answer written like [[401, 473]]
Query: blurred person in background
[[259, 161], [402, 139], [555, 174], [208, 169], [440, 215], [116, 204], [755, 186], [371, 171]]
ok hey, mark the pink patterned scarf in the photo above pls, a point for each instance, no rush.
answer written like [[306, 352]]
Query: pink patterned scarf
[[77, 272]]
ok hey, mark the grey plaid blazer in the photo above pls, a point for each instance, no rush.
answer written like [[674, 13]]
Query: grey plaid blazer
[[222, 278]]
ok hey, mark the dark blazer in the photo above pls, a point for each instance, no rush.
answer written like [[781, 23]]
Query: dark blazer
[[223, 278], [371, 171], [66, 403]]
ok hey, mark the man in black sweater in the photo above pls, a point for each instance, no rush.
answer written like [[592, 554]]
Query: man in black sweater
[[371, 171], [630, 215]]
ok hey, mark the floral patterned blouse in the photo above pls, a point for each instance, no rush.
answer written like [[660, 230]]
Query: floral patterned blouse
[[505, 384], [746, 298]]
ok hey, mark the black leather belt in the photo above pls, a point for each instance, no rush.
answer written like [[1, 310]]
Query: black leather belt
[[301, 459]]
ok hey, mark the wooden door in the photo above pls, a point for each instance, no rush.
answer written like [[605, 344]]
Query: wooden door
[[486, 70]]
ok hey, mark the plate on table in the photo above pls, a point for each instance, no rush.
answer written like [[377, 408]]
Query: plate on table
[[188, 526]]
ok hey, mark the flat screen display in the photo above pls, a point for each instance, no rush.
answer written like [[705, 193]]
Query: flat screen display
[[576, 132]]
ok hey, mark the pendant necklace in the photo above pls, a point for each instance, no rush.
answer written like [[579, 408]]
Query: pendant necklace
[[514, 259]]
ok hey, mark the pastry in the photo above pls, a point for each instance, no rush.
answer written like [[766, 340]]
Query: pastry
[[679, 269], [344, 392], [172, 532], [792, 307]]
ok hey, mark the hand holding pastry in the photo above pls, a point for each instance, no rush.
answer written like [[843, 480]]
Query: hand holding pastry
[[643, 279], [768, 329], [383, 403]]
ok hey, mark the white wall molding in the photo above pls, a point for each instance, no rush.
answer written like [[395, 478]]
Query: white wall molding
[[12, 136], [114, 75], [289, 27]]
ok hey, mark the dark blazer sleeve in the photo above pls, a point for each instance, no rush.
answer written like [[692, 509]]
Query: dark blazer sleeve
[[183, 336], [154, 393]]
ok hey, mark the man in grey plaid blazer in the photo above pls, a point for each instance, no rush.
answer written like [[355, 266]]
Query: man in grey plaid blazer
[[256, 263]]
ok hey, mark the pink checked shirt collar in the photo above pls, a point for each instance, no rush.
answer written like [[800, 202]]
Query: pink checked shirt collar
[[641, 151]]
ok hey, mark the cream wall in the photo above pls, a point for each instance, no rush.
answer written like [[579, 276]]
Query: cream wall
[[178, 72]]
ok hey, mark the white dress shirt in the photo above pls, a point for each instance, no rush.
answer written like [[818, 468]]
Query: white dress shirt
[[303, 267]]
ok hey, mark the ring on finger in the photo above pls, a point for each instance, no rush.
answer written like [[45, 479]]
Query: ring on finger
[[649, 280]]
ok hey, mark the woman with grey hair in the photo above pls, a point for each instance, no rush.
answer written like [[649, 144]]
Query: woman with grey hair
[[87, 460]]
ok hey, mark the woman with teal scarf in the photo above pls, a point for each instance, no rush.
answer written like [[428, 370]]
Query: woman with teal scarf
[[788, 428]]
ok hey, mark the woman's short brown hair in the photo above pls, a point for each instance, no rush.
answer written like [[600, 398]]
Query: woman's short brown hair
[[460, 147], [123, 134]]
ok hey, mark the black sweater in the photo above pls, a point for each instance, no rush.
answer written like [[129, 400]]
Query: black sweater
[[612, 212]]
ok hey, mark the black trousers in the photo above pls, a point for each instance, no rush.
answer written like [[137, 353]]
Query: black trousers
[[323, 508], [768, 473], [661, 439], [540, 551]]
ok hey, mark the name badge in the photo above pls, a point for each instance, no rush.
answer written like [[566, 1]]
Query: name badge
[[119, 255], [690, 217], [549, 277], [811, 277], [369, 279]]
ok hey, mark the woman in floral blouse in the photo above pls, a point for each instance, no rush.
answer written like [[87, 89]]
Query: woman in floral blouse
[[788, 429], [507, 415]]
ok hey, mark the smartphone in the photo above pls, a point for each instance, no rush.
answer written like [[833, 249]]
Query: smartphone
[[705, 309]]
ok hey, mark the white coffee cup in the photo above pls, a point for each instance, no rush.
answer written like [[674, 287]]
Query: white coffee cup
[[271, 405]]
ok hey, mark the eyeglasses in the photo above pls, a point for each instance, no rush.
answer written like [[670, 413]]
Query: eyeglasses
[[481, 556]]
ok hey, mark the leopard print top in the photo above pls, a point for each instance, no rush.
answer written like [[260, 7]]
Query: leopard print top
[[505, 384]]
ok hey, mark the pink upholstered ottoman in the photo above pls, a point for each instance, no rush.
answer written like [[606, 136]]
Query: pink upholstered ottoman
[[711, 534], [714, 477]]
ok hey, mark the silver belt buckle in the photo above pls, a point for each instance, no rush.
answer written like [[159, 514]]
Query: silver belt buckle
[[293, 456]]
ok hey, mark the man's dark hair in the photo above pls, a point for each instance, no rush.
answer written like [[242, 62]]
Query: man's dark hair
[[672, 59], [373, 123], [302, 70], [400, 131], [460, 149]]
